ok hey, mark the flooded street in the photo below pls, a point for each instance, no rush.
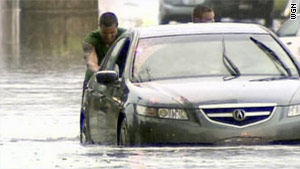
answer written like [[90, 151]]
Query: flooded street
[[39, 121], [39, 128]]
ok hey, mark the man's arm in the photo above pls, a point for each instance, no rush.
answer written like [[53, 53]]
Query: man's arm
[[90, 57]]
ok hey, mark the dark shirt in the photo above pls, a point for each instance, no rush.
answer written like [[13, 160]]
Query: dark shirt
[[94, 38]]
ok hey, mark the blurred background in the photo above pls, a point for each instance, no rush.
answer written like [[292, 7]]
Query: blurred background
[[56, 27]]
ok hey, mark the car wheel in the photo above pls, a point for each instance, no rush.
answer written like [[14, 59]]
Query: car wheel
[[84, 131], [84, 134], [123, 139]]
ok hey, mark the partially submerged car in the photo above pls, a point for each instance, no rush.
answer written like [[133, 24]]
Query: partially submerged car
[[209, 83]]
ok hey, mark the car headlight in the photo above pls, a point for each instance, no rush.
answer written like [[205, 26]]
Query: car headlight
[[294, 110], [164, 113], [172, 114]]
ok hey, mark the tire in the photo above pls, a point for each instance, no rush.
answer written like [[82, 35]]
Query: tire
[[123, 138], [85, 137]]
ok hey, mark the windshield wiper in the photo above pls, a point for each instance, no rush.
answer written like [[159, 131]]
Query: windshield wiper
[[275, 57], [276, 78], [232, 68], [141, 78]]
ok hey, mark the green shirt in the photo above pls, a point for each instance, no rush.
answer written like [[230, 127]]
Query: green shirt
[[94, 38]]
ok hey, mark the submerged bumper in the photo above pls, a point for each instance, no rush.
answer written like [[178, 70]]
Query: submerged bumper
[[199, 130]]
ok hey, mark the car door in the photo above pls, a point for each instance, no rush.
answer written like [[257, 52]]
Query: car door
[[104, 100]]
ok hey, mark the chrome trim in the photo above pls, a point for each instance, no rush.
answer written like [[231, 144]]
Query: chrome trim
[[237, 105], [262, 113], [248, 114], [239, 114], [219, 115]]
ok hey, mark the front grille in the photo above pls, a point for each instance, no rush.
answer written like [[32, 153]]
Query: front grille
[[238, 115]]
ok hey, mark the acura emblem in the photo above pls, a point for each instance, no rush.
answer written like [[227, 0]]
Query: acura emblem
[[239, 115]]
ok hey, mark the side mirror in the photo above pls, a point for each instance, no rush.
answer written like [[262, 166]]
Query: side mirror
[[106, 76]]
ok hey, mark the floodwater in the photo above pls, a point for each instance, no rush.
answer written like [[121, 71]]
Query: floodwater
[[39, 128]]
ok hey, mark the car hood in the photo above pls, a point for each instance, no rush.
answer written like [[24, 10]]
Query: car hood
[[216, 90]]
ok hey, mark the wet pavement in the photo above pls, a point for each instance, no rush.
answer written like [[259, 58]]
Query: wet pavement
[[39, 128]]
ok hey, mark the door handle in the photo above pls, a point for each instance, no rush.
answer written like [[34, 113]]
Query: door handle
[[95, 93], [89, 90]]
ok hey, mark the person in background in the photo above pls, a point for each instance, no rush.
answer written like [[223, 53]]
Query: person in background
[[97, 43], [202, 14], [95, 46]]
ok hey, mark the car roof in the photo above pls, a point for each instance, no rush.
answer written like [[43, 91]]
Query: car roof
[[200, 28]]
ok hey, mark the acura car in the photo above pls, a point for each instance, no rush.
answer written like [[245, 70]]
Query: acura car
[[190, 84]]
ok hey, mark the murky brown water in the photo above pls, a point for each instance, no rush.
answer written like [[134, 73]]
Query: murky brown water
[[39, 125], [39, 128]]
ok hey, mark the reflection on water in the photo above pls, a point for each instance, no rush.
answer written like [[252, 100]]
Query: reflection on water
[[69, 154], [40, 99]]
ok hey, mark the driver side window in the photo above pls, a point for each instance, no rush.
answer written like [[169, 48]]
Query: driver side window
[[117, 56]]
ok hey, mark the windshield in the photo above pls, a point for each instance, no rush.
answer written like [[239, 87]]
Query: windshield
[[203, 55]]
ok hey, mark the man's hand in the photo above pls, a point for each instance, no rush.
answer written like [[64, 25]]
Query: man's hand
[[90, 57]]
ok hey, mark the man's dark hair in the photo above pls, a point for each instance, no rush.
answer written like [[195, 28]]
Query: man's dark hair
[[108, 19], [199, 10]]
